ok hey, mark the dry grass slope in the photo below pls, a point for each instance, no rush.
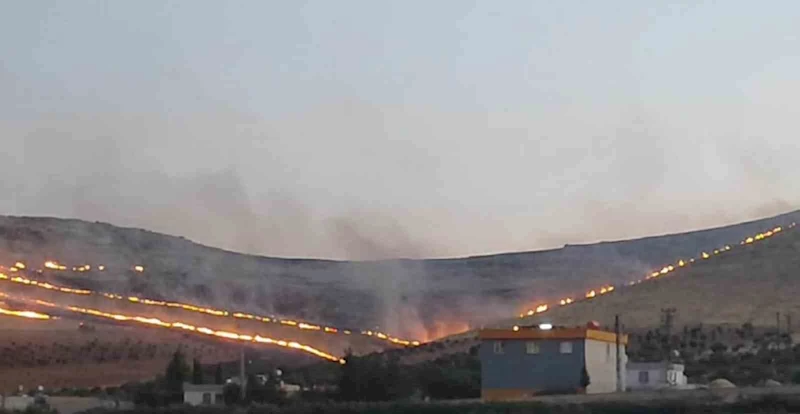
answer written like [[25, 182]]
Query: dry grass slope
[[56, 354], [420, 299], [749, 284]]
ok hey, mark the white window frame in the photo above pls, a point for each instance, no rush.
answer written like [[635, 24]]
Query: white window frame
[[499, 347], [532, 348], [565, 347]]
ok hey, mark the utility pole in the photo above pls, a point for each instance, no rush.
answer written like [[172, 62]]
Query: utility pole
[[789, 323], [242, 376], [619, 356], [667, 319]]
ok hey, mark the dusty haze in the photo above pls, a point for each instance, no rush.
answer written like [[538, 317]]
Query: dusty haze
[[366, 131]]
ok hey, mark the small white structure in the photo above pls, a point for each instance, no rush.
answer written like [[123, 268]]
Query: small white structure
[[290, 389], [203, 394], [16, 402], [655, 375]]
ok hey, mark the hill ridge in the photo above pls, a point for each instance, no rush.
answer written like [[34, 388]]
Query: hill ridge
[[420, 299], [757, 274], [790, 213]]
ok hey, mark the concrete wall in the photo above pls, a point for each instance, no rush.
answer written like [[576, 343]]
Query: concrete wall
[[16, 403], [64, 405], [601, 364], [517, 373], [70, 405], [657, 378]]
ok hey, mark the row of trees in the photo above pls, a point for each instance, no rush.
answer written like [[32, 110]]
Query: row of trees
[[168, 389], [383, 378], [179, 372], [371, 378]]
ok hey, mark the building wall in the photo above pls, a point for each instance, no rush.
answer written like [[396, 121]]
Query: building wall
[[16, 403], [196, 397], [657, 378], [601, 364], [193, 397], [516, 373]]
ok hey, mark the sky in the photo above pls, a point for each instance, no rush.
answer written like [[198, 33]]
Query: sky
[[373, 129]]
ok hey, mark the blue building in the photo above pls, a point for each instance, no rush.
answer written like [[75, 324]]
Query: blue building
[[523, 362]]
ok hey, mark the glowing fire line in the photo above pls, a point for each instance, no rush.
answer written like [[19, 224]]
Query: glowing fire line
[[209, 311], [177, 325], [24, 314], [591, 294]]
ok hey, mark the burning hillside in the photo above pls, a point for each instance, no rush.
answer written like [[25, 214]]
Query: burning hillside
[[416, 299], [751, 282]]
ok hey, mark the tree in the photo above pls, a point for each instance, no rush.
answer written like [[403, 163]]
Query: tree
[[585, 380], [398, 384], [363, 378], [253, 389], [197, 372], [272, 392], [176, 374], [349, 378], [231, 393], [267, 392], [218, 379], [445, 381], [719, 347]]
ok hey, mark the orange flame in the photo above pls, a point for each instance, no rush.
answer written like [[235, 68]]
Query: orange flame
[[194, 308], [183, 326], [24, 314], [667, 269], [54, 265]]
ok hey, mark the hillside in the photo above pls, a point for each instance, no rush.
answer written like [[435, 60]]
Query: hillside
[[49, 353], [751, 283], [422, 299]]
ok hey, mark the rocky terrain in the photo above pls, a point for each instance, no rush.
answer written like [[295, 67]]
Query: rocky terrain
[[423, 299]]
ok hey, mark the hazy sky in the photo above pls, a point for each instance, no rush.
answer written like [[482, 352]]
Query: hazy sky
[[365, 129]]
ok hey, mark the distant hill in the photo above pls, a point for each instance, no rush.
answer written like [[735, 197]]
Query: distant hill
[[752, 283], [418, 298]]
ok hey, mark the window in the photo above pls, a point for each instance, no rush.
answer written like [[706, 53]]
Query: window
[[218, 399], [498, 347], [608, 352], [644, 377], [566, 348], [206, 398], [532, 347]]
